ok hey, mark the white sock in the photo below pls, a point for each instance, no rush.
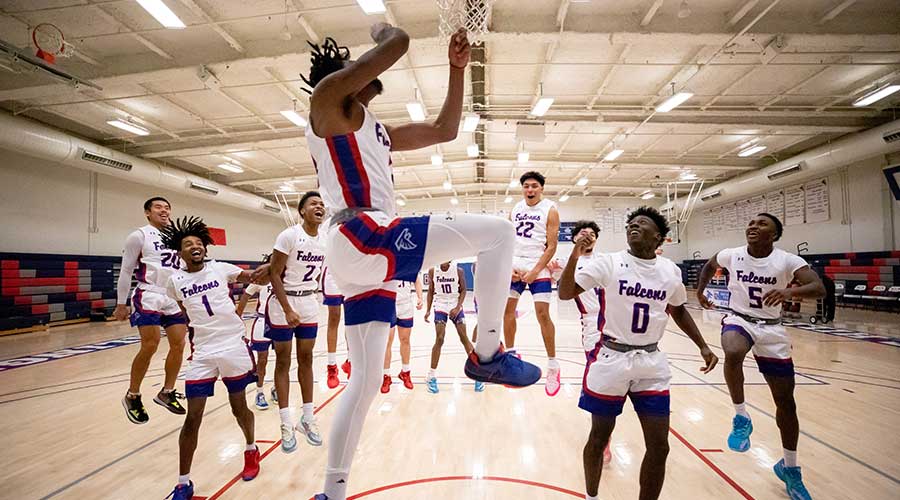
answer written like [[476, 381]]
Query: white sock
[[404, 367], [132, 394], [185, 479], [790, 458], [588, 497], [431, 372], [386, 371], [251, 447], [308, 410], [552, 364], [332, 358], [285, 414], [741, 409], [259, 389]]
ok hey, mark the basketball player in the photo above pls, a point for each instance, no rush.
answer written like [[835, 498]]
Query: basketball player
[[447, 294], [153, 310], [258, 342], [639, 291], [201, 290], [759, 281], [294, 314], [333, 299], [537, 229], [352, 149], [404, 329]]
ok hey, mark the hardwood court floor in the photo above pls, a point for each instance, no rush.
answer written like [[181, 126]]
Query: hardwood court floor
[[66, 435]]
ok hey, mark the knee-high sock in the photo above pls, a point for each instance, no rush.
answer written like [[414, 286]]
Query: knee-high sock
[[366, 343], [491, 239]]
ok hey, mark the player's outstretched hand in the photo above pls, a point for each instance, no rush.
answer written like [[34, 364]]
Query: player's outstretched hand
[[378, 31], [775, 297], [121, 312], [292, 318], [704, 302], [710, 358], [459, 50]]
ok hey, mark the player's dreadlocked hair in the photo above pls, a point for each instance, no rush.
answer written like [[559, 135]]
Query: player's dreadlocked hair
[[661, 223], [325, 59], [179, 229]]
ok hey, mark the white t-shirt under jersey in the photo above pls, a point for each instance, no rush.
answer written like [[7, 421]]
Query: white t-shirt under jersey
[[207, 300], [305, 257], [531, 228], [148, 259], [749, 278], [637, 293]]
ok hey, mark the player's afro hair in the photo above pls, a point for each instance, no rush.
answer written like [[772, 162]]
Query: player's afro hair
[[661, 223], [179, 229]]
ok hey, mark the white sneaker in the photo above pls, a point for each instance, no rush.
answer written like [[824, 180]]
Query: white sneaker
[[288, 441], [551, 387], [310, 429]]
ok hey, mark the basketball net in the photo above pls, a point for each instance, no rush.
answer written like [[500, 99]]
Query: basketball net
[[473, 15], [679, 218], [49, 41], [286, 213]]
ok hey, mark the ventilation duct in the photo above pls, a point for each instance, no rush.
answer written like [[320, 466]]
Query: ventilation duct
[[881, 140], [271, 208], [29, 137]]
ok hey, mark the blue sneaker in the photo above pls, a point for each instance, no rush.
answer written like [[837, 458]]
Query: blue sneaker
[[182, 492], [506, 369], [320, 496], [274, 395], [432, 385], [479, 386], [288, 440], [261, 403], [741, 428], [793, 481]]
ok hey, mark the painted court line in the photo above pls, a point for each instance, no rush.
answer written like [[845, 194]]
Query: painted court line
[[711, 465]]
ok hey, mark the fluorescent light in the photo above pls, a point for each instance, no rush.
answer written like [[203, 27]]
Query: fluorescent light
[[163, 14], [472, 150], [876, 95], [448, 185], [454, 201], [582, 182], [372, 6], [648, 195], [231, 168], [470, 124], [688, 176], [564, 198], [748, 143], [673, 102], [286, 187], [523, 156], [612, 155], [751, 151], [416, 111], [513, 183], [508, 199], [542, 106], [400, 202], [437, 160], [130, 127], [294, 117]]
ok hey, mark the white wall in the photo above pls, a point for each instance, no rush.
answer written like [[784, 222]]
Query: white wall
[[867, 223], [44, 208]]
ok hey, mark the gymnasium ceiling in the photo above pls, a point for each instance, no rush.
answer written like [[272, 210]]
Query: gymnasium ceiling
[[784, 75]]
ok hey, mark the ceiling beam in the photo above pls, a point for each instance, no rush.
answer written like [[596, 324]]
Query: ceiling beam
[[103, 13], [608, 77], [197, 10], [651, 12], [742, 11], [834, 12]]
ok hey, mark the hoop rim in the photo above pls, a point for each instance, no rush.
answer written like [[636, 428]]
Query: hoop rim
[[62, 38]]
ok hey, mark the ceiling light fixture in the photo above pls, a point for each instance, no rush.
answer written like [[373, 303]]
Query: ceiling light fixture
[[582, 182], [523, 157], [400, 202], [612, 155], [437, 160], [648, 195], [161, 13], [674, 101], [448, 185], [295, 118], [513, 183], [470, 124], [472, 150], [231, 168], [508, 199], [751, 151], [688, 176], [129, 127], [876, 95], [372, 6], [541, 106], [564, 198], [454, 201]]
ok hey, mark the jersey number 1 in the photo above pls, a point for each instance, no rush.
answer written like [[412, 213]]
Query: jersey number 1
[[206, 305]]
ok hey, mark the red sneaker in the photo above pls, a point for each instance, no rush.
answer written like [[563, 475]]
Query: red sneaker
[[333, 380], [406, 378], [386, 384], [346, 367], [251, 464]]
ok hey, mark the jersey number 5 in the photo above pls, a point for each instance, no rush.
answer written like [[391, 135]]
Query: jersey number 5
[[755, 293]]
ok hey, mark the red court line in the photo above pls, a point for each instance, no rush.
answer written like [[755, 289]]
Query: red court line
[[712, 450], [711, 465], [262, 457], [465, 478], [269, 441]]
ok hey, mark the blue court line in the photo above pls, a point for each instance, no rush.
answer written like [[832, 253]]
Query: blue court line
[[804, 433], [860, 382]]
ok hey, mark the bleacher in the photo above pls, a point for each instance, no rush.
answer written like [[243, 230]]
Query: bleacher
[[49, 289], [869, 280]]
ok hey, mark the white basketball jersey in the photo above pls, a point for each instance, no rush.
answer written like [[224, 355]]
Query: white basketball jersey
[[749, 279], [156, 262], [531, 228], [446, 283], [354, 169], [635, 294], [264, 292], [589, 306], [305, 257], [205, 296]]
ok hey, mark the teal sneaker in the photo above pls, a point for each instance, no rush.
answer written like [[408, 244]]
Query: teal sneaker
[[479, 386], [793, 481], [432, 385], [261, 403], [741, 428]]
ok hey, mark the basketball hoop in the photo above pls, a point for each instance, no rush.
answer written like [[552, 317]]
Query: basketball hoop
[[49, 41], [473, 15], [678, 219]]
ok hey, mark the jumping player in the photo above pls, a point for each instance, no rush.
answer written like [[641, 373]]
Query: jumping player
[[537, 229], [403, 328], [153, 310], [759, 281], [446, 293], [333, 299], [294, 314], [352, 149], [201, 290], [639, 293], [258, 342]]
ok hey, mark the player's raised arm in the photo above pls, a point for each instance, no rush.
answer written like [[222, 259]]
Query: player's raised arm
[[567, 287], [446, 126], [706, 274], [811, 287]]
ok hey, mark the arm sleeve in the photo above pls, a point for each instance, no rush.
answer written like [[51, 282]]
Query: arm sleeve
[[284, 242], [594, 274], [252, 289], [133, 245], [724, 258], [679, 294]]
